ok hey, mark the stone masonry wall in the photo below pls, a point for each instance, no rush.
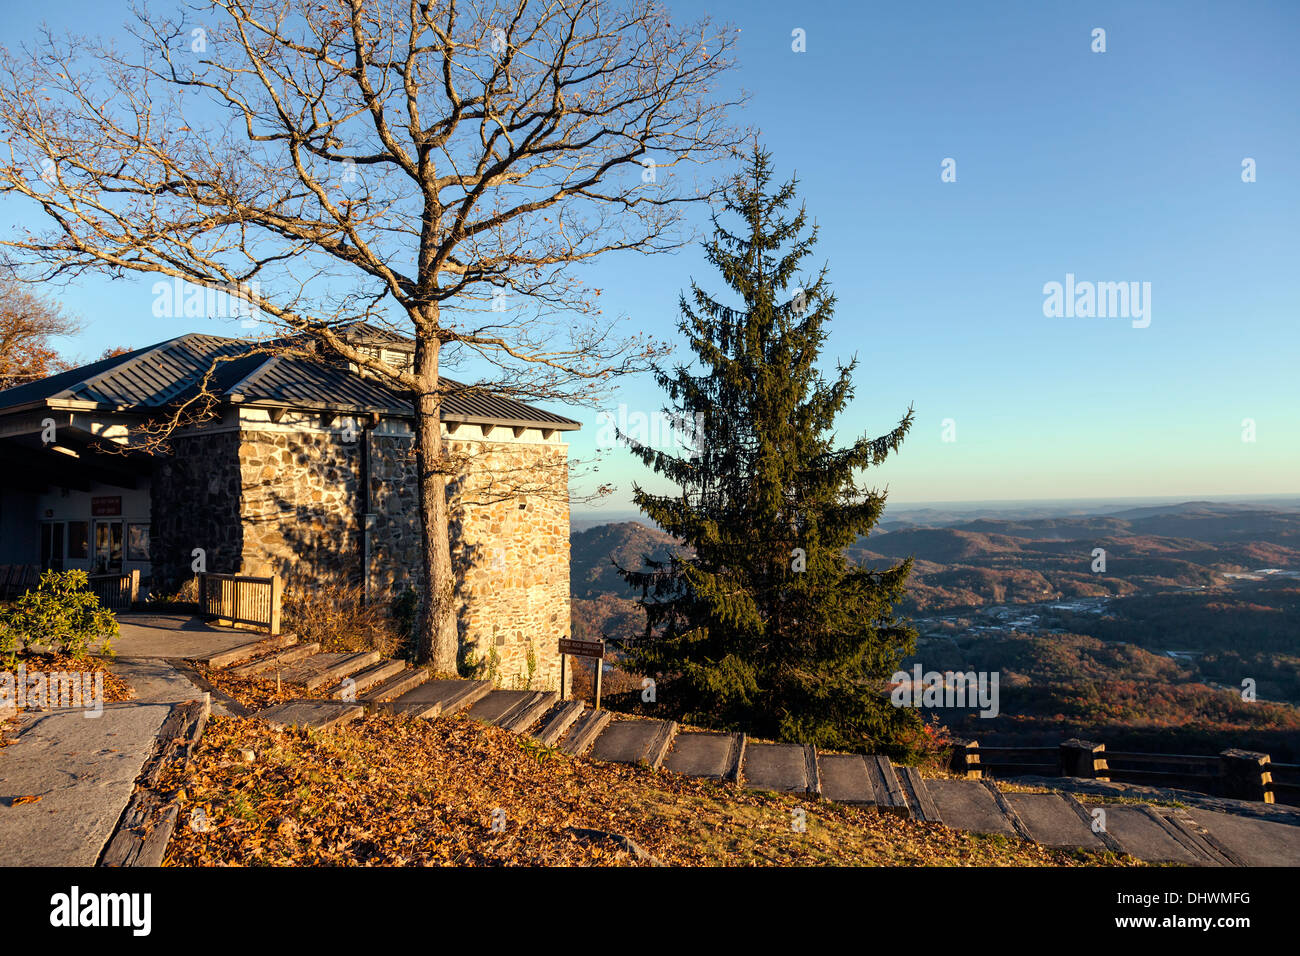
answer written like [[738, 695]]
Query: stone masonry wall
[[512, 558], [195, 494], [299, 505], [291, 501]]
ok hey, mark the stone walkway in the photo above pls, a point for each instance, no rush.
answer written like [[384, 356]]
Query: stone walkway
[[84, 770], [66, 778], [1197, 836]]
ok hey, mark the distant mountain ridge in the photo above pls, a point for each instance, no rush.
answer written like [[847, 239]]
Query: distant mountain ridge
[[986, 561]]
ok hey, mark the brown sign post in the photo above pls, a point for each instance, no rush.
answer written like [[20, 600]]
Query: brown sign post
[[594, 649]]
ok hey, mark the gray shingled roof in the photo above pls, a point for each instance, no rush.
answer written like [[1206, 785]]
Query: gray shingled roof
[[154, 377]]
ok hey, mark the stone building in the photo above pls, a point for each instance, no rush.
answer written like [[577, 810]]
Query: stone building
[[305, 470]]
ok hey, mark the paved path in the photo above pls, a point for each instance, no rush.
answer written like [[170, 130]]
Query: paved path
[[83, 770], [174, 635]]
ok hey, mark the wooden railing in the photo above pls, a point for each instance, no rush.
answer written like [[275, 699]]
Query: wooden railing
[[235, 599], [17, 578], [1241, 774], [117, 592]]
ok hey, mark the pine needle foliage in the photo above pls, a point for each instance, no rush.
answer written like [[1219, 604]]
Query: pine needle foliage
[[761, 623]]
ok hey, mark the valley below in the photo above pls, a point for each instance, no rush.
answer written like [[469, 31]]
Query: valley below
[[1184, 637]]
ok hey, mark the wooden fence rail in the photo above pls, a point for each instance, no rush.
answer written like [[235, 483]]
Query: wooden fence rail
[[236, 599], [117, 592], [1242, 774]]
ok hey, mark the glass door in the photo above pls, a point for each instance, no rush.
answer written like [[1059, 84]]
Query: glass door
[[108, 547], [52, 545]]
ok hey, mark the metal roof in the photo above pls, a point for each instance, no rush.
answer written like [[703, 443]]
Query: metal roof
[[154, 377]]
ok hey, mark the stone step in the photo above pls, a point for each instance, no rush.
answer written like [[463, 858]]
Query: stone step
[[278, 661], [320, 670], [428, 709], [1148, 834], [395, 686], [845, 779], [498, 704], [245, 652], [584, 732], [1053, 821], [635, 741], [530, 713], [919, 800], [446, 695], [360, 682], [781, 768], [1250, 841], [315, 714], [890, 796], [550, 732], [969, 805], [712, 755]]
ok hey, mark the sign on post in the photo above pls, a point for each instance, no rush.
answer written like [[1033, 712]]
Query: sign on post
[[583, 648], [592, 649]]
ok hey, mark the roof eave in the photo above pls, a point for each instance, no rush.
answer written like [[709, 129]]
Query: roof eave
[[560, 426]]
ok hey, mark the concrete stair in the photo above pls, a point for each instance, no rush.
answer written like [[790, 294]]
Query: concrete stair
[[558, 722], [447, 695], [1055, 819], [531, 712], [246, 652], [321, 670], [780, 768], [274, 662], [394, 687], [634, 741], [355, 685], [313, 714], [584, 732], [716, 756]]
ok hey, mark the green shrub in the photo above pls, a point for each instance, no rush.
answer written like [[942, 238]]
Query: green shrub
[[62, 612]]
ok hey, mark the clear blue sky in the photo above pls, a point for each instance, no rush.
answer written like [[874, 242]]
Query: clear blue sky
[[1115, 166]]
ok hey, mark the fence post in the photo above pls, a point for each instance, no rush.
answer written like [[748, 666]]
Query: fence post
[[966, 759], [135, 588], [276, 592], [1244, 775], [1083, 758]]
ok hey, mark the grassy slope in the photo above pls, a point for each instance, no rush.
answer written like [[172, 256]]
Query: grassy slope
[[394, 790]]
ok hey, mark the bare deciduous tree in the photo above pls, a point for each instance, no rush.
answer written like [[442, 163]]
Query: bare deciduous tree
[[441, 167]]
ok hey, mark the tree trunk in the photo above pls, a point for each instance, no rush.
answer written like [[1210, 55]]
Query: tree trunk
[[437, 640]]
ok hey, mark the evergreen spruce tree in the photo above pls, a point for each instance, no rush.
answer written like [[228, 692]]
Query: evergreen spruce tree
[[764, 625]]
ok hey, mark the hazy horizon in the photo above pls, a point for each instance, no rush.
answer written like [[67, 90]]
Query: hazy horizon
[[594, 517]]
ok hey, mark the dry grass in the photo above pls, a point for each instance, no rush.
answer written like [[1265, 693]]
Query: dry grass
[[394, 791], [339, 619]]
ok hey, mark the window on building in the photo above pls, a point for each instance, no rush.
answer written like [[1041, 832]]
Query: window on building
[[137, 542], [52, 544]]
